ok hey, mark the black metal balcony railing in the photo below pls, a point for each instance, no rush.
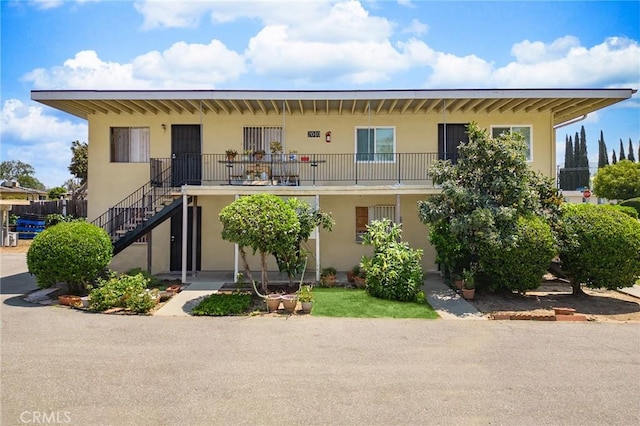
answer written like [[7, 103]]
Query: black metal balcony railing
[[301, 169]]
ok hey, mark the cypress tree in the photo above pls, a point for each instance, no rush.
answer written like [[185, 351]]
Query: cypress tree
[[631, 157], [575, 165], [565, 175], [603, 159], [621, 153], [613, 157], [584, 160]]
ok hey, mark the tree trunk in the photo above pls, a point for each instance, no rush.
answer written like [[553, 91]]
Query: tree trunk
[[577, 289], [245, 264], [265, 278]]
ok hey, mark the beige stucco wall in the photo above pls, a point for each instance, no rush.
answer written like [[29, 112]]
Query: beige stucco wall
[[111, 182]]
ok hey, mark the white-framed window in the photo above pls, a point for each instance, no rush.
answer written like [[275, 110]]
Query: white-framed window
[[366, 215], [375, 144], [524, 130], [259, 138], [130, 144]]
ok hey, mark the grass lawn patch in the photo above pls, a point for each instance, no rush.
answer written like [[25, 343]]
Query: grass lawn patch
[[344, 302], [223, 304]]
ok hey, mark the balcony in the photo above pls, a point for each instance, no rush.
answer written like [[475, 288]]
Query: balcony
[[297, 169]]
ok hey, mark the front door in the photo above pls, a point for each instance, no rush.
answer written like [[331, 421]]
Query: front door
[[176, 240], [186, 155], [449, 137]]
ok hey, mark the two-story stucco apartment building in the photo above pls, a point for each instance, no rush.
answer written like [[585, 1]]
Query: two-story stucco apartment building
[[157, 161]]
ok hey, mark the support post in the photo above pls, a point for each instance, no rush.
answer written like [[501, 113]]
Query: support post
[[185, 225], [194, 238], [318, 242], [398, 217], [236, 255]]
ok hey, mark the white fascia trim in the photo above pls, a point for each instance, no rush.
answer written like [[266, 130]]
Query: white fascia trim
[[43, 95]]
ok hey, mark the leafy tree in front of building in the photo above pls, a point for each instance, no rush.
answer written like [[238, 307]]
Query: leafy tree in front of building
[[619, 181], [483, 197]]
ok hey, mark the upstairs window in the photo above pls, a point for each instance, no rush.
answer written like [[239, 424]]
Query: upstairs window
[[129, 144], [259, 138], [375, 144], [525, 131]]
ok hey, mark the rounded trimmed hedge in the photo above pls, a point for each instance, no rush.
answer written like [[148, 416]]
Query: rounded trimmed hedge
[[520, 267], [599, 247], [72, 252]]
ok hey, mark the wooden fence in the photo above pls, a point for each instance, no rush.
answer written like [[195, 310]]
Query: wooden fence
[[75, 208]]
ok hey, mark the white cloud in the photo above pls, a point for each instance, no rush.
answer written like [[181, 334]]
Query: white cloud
[[44, 141], [565, 63], [416, 27], [183, 65], [52, 4]]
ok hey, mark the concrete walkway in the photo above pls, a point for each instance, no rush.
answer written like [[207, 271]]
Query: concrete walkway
[[631, 291], [443, 299]]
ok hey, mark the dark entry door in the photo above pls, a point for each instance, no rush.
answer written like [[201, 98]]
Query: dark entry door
[[186, 153], [176, 240], [449, 137]]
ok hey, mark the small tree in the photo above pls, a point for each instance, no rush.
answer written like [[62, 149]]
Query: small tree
[[599, 247], [394, 271], [292, 260], [619, 181], [631, 156], [262, 222], [72, 252]]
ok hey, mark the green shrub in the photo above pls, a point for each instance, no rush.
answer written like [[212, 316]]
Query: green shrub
[[394, 271], [632, 202], [451, 253], [152, 281], [599, 247], [223, 304], [71, 252], [628, 210], [521, 266], [55, 218], [125, 291]]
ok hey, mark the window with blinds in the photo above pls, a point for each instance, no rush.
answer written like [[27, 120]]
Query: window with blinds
[[366, 215], [130, 144], [259, 138]]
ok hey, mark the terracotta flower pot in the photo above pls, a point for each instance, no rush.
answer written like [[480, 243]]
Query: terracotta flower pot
[[457, 283], [360, 282], [70, 300], [329, 280], [273, 302], [289, 302], [306, 307], [468, 294]]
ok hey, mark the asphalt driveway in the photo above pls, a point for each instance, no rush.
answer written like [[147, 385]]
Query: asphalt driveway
[[88, 369]]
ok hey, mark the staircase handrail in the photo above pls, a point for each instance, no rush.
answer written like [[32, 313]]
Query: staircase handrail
[[143, 197]]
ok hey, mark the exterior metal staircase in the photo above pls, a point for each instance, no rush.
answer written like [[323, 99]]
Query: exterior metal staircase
[[141, 211]]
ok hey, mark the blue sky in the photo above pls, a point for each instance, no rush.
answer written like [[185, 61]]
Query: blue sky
[[145, 44]]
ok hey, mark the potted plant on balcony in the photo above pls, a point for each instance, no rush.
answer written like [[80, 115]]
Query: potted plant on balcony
[[259, 154], [305, 296], [328, 276], [247, 154], [231, 154]]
